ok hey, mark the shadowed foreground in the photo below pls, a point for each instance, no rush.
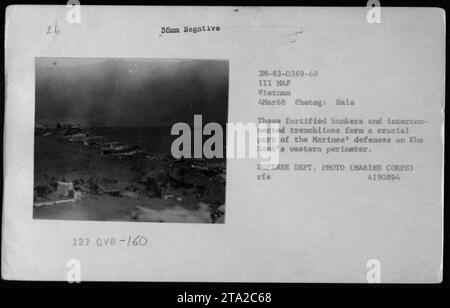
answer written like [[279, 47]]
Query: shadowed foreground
[[147, 186]]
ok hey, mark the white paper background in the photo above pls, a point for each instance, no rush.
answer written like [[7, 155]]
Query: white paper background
[[299, 227]]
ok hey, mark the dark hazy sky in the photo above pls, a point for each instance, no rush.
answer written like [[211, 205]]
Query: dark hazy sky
[[130, 92]]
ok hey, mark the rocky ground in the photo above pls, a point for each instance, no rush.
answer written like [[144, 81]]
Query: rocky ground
[[143, 187]]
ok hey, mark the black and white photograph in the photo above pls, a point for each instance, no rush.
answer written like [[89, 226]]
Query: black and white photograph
[[103, 139], [234, 145]]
